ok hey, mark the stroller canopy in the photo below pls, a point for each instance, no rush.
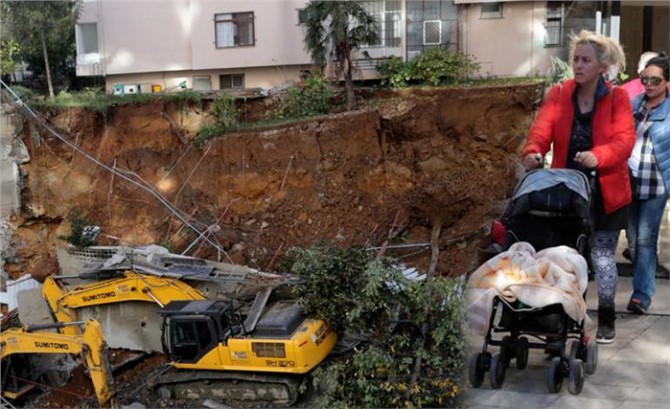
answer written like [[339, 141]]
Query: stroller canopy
[[565, 191]]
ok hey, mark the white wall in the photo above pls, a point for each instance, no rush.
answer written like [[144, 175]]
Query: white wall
[[177, 35], [144, 36], [512, 45], [278, 36]]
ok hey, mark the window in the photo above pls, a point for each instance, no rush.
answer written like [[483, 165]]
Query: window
[[231, 81], [555, 16], [388, 15], [432, 32], [190, 339], [302, 16], [202, 83], [88, 38], [234, 29], [492, 10]]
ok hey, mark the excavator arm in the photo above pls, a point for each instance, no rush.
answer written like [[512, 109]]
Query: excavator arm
[[129, 287], [91, 345]]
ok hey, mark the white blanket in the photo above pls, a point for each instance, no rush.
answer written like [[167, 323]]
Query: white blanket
[[556, 275]]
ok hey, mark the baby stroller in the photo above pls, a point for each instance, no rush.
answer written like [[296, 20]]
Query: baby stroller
[[549, 207]]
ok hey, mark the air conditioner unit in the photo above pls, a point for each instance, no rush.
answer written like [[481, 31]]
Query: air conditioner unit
[[117, 89], [131, 89]]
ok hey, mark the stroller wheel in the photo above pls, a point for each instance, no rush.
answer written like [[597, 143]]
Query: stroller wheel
[[497, 371], [477, 367], [522, 353], [555, 374], [591, 358], [576, 376]]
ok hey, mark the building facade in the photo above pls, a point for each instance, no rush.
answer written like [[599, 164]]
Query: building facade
[[520, 38], [148, 45], [151, 45]]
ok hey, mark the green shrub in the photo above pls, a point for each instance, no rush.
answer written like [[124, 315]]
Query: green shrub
[[27, 95], [226, 117], [394, 73], [207, 132], [309, 98], [358, 293], [560, 70], [185, 96], [433, 67], [83, 232], [224, 111], [436, 67]]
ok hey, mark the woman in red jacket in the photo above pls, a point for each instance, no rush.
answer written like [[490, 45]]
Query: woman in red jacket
[[591, 127]]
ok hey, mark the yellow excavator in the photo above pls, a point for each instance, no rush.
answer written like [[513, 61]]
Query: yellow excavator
[[129, 286], [209, 341], [16, 343]]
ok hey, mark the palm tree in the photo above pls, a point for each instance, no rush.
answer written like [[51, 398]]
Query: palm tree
[[334, 29]]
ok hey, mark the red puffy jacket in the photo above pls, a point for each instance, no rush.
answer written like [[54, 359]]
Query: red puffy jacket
[[613, 137]]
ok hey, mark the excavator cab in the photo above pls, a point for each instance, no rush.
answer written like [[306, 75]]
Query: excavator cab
[[191, 329]]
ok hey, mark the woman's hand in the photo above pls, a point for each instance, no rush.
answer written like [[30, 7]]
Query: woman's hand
[[532, 161], [586, 159]]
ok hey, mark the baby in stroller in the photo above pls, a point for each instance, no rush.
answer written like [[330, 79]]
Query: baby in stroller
[[532, 295]]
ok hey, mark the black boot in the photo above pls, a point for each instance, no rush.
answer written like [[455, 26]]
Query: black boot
[[606, 333]]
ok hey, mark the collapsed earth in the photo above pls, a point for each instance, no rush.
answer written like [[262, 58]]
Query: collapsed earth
[[382, 177]]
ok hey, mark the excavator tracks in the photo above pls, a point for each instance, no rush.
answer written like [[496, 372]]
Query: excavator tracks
[[274, 390]]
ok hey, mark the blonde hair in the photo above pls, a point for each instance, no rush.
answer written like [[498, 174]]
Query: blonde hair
[[608, 50]]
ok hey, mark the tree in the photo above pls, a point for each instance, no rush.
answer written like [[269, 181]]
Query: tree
[[334, 30], [42, 28], [8, 51]]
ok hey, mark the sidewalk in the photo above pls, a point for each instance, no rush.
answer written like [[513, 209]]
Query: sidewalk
[[632, 373]]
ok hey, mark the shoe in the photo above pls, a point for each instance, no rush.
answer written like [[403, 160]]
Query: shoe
[[626, 254], [605, 335], [636, 307], [606, 332]]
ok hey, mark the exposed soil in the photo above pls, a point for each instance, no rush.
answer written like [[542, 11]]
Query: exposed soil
[[383, 173], [381, 177]]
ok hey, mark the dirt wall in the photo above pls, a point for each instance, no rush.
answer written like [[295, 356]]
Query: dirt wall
[[381, 175]]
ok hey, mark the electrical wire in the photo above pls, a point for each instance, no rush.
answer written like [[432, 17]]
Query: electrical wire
[[172, 208]]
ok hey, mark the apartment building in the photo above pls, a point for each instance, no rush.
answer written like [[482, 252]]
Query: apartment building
[[520, 38], [162, 45], [149, 45]]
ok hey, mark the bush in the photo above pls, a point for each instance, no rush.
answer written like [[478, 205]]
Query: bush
[[358, 293], [432, 67], [83, 232], [225, 112], [394, 73], [26, 95], [207, 132], [226, 117], [309, 98], [436, 67], [560, 70]]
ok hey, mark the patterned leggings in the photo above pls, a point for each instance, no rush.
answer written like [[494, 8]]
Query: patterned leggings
[[603, 246]]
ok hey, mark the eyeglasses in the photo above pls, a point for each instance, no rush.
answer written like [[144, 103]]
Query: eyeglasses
[[651, 80]]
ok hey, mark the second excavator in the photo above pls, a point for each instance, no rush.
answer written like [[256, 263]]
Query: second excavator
[[17, 343]]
